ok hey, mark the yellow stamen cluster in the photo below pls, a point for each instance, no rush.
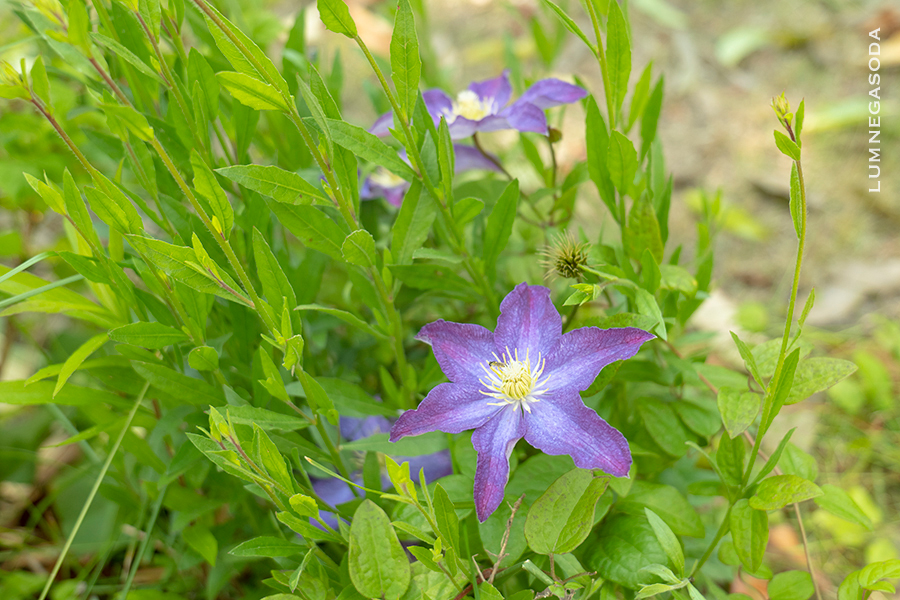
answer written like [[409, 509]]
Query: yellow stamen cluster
[[514, 381], [469, 106], [386, 179]]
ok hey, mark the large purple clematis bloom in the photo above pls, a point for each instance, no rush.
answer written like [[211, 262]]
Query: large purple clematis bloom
[[522, 380], [485, 106], [384, 184]]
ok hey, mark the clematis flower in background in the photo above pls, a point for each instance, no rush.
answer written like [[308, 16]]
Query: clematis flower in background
[[485, 106], [384, 184], [335, 492], [522, 380]]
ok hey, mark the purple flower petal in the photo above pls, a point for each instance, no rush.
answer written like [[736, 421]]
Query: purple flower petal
[[450, 408], [462, 127], [528, 322], [437, 102], [496, 91], [436, 465], [562, 424], [469, 158], [462, 349], [394, 195], [355, 428], [496, 122], [552, 92], [382, 125], [494, 442], [582, 353], [525, 116]]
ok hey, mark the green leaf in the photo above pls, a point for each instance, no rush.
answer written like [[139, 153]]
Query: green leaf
[[77, 209], [643, 231], [305, 528], [650, 118], [266, 419], [622, 546], [618, 54], [622, 161], [131, 119], [787, 146], [810, 300], [431, 277], [336, 17], [52, 197], [312, 227], [199, 72], [271, 460], [662, 423], [203, 358], [647, 305], [738, 409], [359, 249], [79, 26], [749, 359], [730, 459], [796, 201], [666, 538], [304, 506], [791, 585], [406, 66], [117, 212], [667, 503], [202, 541], [465, 210], [749, 533], [798, 121], [147, 335], [445, 517], [76, 358], [344, 316], [318, 113], [815, 375], [272, 547], [151, 14], [42, 392], [778, 390], [39, 81], [838, 502], [560, 520], [276, 183], [597, 140], [500, 223], [276, 287], [206, 185], [639, 96], [412, 225], [128, 56], [378, 564], [188, 390], [571, 25], [369, 147], [249, 54], [180, 263], [779, 491], [252, 92]]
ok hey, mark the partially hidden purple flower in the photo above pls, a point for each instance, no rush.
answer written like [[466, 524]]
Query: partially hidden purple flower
[[522, 380], [384, 184], [335, 492], [484, 106]]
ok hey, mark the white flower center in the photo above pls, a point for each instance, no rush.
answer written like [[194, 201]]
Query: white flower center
[[386, 179], [469, 106], [514, 381]]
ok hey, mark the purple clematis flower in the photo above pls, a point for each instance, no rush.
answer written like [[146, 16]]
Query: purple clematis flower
[[335, 492], [384, 184], [522, 380], [485, 106]]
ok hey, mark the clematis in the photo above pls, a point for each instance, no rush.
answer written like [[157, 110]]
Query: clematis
[[384, 184], [335, 491], [485, 106], [522, 380]]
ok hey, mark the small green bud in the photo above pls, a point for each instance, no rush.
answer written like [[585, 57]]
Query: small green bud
[[782, 109]]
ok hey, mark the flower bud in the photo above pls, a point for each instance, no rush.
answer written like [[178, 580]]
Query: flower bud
[[565, 257], [782, 109], [9, 75]]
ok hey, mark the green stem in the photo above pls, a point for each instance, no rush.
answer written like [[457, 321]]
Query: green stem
[[723, 529], [144, 542], [788, 320], [604, 67], [93, 492]]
